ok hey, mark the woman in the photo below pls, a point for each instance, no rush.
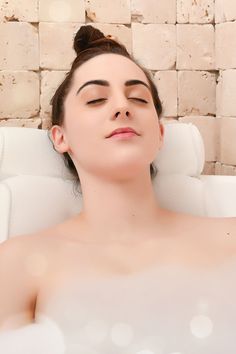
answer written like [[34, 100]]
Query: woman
[[124, 275]]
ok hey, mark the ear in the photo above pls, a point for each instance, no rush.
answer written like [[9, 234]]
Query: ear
[[59, 139]]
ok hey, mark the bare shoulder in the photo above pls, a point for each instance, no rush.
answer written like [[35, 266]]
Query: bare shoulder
[[22, 244], [219, 231], [225, 225], [220, 226], [19, 281], [29, 255], [16, 246]]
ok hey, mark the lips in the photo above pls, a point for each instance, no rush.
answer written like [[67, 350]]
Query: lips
[[122, 130]]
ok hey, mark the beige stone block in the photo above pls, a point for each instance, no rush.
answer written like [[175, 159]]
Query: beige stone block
[[50, 81], [225, 38], [166, 82], [197, 54], [115, 11], [227, 141], [152, 11], [62, 10], [195, 11], [19, 94], [19, 46], [121, 33], [19, 10], [46, 123], [226, 93], [25, 123], [208, 169], [208, 129], [154, 45], [56, 45], [225, 170], [225, 10], [62, 51], [196, 93], [167, 120]]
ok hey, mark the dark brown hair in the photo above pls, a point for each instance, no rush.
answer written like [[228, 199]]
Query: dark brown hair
[[88, 43]]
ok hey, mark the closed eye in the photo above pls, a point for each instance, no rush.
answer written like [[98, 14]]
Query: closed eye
[[94, 101], [138, 99], [103, 99]]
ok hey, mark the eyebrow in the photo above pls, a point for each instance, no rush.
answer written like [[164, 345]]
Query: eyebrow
[[106, 83]]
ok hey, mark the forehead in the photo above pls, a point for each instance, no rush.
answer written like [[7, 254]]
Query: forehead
[[113, 67]]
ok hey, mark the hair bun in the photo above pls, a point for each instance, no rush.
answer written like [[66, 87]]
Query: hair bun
[[85, 36]]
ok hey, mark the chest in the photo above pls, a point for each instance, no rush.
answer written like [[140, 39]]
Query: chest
[[166, 297], [165, 308], [73, 263]]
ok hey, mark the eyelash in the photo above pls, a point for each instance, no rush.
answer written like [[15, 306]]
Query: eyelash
[[102, 99]]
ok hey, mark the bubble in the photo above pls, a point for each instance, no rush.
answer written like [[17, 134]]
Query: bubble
[[15, 320], [151, 344], [96, 331], [78, 349], [145, 351], [122, 334], [52, 339], [201, 326], [36, 264], [202, 306], [60, 11]]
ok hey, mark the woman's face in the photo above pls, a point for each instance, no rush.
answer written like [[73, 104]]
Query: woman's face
[[87, 124]]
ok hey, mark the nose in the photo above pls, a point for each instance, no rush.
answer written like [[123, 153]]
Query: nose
[[122, 108], [122, 113]]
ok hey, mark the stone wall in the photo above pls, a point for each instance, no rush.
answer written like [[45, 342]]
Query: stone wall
[[189, 46]]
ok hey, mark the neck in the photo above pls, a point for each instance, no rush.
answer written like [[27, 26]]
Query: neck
[[126, 212]]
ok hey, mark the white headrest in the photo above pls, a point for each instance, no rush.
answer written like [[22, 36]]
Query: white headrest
[[29, 151], [183, 150]]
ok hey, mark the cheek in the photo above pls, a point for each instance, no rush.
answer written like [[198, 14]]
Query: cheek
[[84, 140], [152, 135]]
